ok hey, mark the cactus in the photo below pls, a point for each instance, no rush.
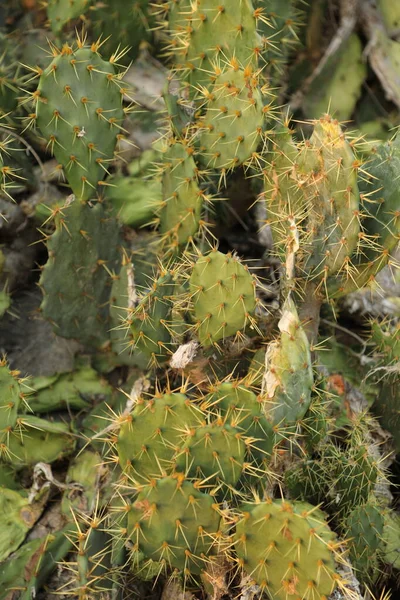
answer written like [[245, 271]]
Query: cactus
[[199, 420], [128, 26], [74, 390], [286, 548], [18, 516], [10, 399], [79, 112], [239, 407], [288, 377], [320, 177], [61, 12], [233, 124], [9, 80], [222, 291], [83, 478], [35, 440], [364, 527], [278, 29], [148, 440], [182, 202], [213, 453], [211, 38], [381, 223], [339, 85], [76, 280], [171, 521], [149, 318], [387, 350], [9, 174], [391, 539], [390, 13]]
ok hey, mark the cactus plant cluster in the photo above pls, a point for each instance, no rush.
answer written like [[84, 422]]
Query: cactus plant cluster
[[185, 423]]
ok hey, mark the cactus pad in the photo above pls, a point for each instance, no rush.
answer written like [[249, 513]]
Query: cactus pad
[[214, 453], [223, 293], [149, 438], [79, 112], [232, 127], [173, 522], [287, 548], [75, 282]]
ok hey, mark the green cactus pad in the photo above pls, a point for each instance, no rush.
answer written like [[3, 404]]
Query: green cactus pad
[[364, 529], [9, 399], [379, 210], [84, 473], [390, 12], [133, 199], [17, 572], [156, 428], [121, 304], [35, 440], [17, 517], [173, 522], [223, 293], [76, 390], [214, 454], [25, 572], [75, 281], [391, 537], [288, 377], [339, 84], [232, 127], [287, 549], [182, 202], [150, 332], [239, 407], [278, 30], [356, 474], [207, 34], [61, 12], [79, 112], [314, 191], [123, 25], [9, 82]]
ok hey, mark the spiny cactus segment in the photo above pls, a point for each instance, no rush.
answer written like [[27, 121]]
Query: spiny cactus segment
[[166, 410]]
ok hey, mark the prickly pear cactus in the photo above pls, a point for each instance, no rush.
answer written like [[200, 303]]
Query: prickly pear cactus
[[223, 295], [288, 377], [76, 279], [320, 178], [61, 12], [180, 210], [79, 113], [287, 548], [211, 38], [364, 527], [214, 454], [173, 522], [233, 125], [149, 438]]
